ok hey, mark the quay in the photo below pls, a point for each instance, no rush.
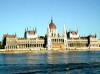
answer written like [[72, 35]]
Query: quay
[[34, 51]]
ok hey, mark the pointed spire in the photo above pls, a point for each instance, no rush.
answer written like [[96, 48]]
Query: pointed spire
[[27, 28], [65, 38], [47, 29], [35, 30], [51, 19], [76, 28], [64, 29]]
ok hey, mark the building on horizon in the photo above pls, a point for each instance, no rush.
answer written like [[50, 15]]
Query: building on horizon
[[52, 39]]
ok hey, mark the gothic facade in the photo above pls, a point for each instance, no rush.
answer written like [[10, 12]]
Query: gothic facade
[[52, 40]]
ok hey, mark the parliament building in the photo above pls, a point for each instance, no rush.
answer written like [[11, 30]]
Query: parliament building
[[51, 40]]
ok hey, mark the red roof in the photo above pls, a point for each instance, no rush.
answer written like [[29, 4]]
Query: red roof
[[52, 25], [9, 36]]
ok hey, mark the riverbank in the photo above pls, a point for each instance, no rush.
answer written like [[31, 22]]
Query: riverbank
[[28, 50]]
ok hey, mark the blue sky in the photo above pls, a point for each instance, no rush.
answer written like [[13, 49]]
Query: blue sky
[[16, 15]]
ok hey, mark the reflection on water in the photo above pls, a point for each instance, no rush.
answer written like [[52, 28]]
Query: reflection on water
[[55, 63]]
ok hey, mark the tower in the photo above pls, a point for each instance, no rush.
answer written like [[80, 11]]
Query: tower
[[65, 38], [76, 28], [48, 39], [52, 28]]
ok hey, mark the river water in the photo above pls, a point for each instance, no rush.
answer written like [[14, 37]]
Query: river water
[[51, 63]]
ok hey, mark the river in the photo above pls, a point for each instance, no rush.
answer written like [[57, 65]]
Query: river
[[51, 63]]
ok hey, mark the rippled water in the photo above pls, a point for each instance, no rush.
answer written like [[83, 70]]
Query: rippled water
[[51, 63]]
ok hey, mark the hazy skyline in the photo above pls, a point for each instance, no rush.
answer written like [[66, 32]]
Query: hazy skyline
[[16, 15]]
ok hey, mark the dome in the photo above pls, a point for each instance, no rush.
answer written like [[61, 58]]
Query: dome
[[52, 25]]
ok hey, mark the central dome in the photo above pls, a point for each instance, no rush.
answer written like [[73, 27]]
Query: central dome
[[52, 25]]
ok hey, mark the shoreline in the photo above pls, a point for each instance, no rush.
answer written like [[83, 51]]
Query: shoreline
[[44, 50]]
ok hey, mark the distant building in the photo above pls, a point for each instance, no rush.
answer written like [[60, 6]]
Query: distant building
[[52, 40]]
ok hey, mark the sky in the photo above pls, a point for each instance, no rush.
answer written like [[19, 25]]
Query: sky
[[16, 15]]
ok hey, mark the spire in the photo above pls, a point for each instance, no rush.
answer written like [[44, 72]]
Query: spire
[[35, 30], [64, 30], [27, 28], [52, 25], [65, 38], [51, 19], [76, 28]]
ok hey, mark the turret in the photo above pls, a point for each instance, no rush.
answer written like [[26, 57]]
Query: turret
[[30, 33]]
